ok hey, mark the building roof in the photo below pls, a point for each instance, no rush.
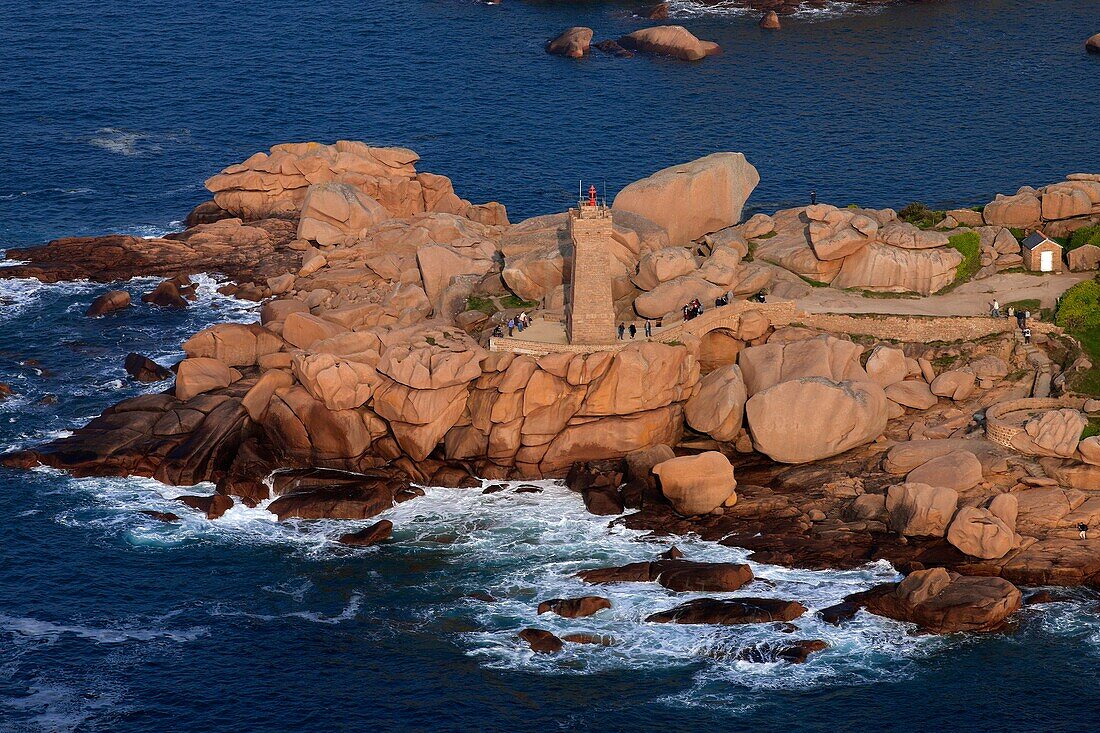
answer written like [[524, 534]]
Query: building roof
[[1036, 239]]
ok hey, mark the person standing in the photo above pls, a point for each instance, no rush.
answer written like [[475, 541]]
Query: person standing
[[633, 330], [648, 329], [1027, 317], [622, 329], [1083, 530], [813, 198], [1027, 336], [1020, 320], [995, 308], [511, 325]]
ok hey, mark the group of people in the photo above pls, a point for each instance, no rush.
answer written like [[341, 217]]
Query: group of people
[[1022, 318], [694, 309], [516, 323], [632, 329]]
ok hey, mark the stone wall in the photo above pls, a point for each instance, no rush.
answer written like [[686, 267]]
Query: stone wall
[[1001, 431]]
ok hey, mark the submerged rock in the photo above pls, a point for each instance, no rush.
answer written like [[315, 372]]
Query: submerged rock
[[109, 302], [572, 42], [372, 535], [670, 40], [676, 574], [795, 653], [144, 369], [730, 611]]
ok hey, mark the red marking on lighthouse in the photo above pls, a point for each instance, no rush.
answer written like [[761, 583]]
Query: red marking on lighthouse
[[592, 195]]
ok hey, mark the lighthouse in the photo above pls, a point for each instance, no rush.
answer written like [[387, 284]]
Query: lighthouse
[[590, 309]]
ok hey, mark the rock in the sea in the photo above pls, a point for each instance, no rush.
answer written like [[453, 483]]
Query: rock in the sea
[[654, 12], [917, 510], [372, 535], [109, 302], [319, 494], [541, 641], [696, 484], [166, 517], [768, 653], [574, 607], [692, 199], [572, 42], [166, 295], [730, 611], [770, 21], [943, 602], [1092, 45], [670, 40], [813, 418], [143, 369], [676, 574], [212, 506]]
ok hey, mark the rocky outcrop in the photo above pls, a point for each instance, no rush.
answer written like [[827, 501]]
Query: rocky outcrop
[[1054, 433], [676, 574], [670, 40], [338, 213], [943, 602], [884, 267], [770, 21], [143, 369], [917, 509], [697, 484], [378, 532], [692, 199], [1092, 45], [572, 42]]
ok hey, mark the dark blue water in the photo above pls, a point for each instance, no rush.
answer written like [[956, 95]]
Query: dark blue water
[[113, 113]]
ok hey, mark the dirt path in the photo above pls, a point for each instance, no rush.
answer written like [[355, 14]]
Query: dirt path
[[969, 299]]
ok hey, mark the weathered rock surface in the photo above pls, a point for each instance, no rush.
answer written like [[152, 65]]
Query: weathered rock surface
[[697, 484], [942, 602], [920, 510], [718, 408], [572, 42], [380, 531], [812, 418], [670, 40], [695, 198]]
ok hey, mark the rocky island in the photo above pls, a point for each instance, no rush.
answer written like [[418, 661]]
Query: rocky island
[[824, 386]]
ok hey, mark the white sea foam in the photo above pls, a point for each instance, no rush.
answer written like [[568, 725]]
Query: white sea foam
[[834, 9], [51, 632]]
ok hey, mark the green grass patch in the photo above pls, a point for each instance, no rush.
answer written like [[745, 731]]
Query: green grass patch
[[1029, 304], [485, 305], [921, 216], [514, 301], [814, 283], [882, 294], [769, 235], [1093, 428], [969, 245]]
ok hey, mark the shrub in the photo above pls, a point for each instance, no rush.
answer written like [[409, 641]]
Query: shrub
[[969, 245], [477, 303], [1083, 236], [921, 216], [1079, 309]]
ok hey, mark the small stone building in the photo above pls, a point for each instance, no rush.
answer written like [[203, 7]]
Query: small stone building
[[1042, 254]]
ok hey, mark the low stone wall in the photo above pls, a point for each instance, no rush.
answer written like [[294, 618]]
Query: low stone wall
[[910, 329], [1001, 431]]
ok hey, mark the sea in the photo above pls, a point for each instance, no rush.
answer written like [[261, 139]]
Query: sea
[[111, 116]]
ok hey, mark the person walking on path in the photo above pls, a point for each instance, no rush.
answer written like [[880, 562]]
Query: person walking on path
[[622, 329], [1027, 336], [633, 330], [648, 329], [1020, 320], [1083, 529], [995, 309]]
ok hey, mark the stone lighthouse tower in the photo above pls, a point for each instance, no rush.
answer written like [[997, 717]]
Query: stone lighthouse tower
[[590, 315]]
